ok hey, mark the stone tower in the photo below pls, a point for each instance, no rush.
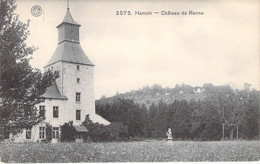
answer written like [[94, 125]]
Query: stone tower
[[75, 85]]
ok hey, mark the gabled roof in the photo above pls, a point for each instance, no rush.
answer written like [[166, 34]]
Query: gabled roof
[[52, 92], [97, 118], [80, 128], [68, 19], [69, 52]]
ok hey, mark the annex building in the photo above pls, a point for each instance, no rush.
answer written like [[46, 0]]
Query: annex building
[[71, 97]]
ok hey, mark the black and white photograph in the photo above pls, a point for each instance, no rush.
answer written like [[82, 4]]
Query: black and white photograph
[[90, 81]]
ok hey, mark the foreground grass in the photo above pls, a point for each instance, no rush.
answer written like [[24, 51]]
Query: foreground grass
[[142, 151]]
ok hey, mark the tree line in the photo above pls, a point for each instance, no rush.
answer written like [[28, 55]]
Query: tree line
[[223, 108]]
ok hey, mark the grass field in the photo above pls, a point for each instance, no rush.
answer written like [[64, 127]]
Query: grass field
[[142, 151]]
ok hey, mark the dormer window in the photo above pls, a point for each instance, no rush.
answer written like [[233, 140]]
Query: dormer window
[[78, 67]]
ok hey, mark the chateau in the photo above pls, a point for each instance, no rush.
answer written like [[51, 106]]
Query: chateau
[[71, 97]]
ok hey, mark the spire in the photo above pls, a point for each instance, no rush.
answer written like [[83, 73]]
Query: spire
[[68, 5], [68, 19]]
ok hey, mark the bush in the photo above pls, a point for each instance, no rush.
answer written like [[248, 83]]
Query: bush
[[48, 132], [118, 131], [68, 132], [98, 133], [103, 133]]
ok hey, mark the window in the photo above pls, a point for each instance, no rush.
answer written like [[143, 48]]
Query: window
[[28, 133], [78, 80], [77, 67], [55, 112], [78, 97], [42, 133], [55, 132], [77, 114], [42, 111]]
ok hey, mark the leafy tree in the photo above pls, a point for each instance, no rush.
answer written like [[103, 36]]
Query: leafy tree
[[249, 124], [150, 120], [157, 120], [233, 107], [180, 119], [21, 86]]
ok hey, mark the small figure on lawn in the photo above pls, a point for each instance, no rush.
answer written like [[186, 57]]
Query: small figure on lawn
[[169, 134]]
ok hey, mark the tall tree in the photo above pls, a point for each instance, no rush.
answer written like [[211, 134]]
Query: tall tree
[[21, 86], [160, 121], [232, 105], [180, 119]]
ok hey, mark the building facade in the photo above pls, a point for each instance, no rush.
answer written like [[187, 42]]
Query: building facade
[[71, 97]]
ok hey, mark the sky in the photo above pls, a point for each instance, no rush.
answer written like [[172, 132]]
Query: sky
[[131, 51]]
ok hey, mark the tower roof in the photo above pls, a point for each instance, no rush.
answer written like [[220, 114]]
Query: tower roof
[[68, 19], [69, 49], [71, 53]]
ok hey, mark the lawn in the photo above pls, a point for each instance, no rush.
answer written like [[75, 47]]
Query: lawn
[[141, 151]]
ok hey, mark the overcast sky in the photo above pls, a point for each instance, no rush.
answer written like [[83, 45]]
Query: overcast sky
[[219, 47]]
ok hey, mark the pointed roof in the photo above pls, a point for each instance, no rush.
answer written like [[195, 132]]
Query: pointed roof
[[68, 19], [71, 53], [52, 92]]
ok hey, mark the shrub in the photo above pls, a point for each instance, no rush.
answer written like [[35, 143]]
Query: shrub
[[48, 132], [96, 132], [67, 132], [99, 133], [103, 133], [118, 131]]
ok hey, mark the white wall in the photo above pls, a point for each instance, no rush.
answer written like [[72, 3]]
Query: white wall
[[68, 86]]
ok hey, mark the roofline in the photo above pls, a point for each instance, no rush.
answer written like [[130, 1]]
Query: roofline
[[65, 40], [67, 23], [69, 62], [65, 98], [56, 98]]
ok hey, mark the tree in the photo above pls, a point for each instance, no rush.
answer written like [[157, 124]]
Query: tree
[[179, 119], [158, 119], [233, 107], [150, 120], [21, 86]]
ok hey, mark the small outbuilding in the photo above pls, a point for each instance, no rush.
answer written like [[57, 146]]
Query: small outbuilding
[[81, 131]]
